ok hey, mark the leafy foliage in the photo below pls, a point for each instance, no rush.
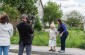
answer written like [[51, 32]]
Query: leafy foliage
[[13, 7], [37, 25], [76, 38], [73, 22], [13, 14], [23, 6], [51, 12], [74, 18], [11, 11]]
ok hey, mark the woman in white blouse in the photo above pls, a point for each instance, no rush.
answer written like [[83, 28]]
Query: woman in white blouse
[[6, 31]]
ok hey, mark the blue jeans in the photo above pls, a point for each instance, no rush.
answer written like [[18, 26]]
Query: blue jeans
[[4, 49], [63, 40], [21, 49]]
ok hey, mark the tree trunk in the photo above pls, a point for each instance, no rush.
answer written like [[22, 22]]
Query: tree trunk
[[14, 23], [14, 33]]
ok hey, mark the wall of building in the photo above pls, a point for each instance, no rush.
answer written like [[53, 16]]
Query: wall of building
[[40, 10]]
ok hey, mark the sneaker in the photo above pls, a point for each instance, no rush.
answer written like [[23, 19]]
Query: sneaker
[[61, 51], [51, 50]]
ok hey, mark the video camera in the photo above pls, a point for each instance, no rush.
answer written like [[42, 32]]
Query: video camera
[[31, 20]]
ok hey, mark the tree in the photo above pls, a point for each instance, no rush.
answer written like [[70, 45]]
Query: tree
[[74, 18], [23, 6], [13, 14], [11, 11], [37, 24], [51, 12]]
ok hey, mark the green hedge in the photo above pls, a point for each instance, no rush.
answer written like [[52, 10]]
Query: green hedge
[[75, 39]]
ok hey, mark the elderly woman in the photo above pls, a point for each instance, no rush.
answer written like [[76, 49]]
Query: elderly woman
[[52, 40], [6, 31]]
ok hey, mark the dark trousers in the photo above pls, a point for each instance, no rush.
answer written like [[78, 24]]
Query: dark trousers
[[21, 49], [63, 40]]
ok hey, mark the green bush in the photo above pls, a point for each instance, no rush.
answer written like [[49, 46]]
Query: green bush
[[40, 38], [15, 39], [58, 41], [37, 25], [76, 38], [11, 11], [82, 45]]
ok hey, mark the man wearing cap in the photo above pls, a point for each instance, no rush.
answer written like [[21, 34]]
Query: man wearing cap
[[25, 30]]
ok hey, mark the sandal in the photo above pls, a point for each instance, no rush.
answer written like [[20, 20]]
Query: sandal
[[51, 50]]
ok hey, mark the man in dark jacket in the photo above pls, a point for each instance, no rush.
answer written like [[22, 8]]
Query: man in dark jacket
[[25, 31]]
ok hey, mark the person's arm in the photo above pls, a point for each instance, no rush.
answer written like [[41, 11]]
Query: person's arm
[[31, 30], [65, 29], [56, 31], [11, 31], [28, 28]]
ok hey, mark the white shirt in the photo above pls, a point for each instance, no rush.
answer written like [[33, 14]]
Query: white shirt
[[6, 31], [53, 33]]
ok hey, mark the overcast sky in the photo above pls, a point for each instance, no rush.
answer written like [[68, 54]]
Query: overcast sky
[[69, 5]]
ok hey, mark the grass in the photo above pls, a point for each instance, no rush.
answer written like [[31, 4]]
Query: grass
[[41, 38], [75, 39], [15, 39]]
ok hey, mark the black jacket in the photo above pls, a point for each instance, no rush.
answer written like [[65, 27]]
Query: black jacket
[[25, 32]]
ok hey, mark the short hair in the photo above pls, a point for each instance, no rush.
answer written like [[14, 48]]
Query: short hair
[[4, 18], [24, 16]]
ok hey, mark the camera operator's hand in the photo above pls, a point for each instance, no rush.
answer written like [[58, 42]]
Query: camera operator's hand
[[30, 22]]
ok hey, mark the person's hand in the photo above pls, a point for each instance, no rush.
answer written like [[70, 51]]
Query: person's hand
[[55, 32], [61, 34], [30, 23]]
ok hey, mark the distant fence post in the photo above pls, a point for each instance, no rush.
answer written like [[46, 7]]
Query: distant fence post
[[84, 23], [84, 26]]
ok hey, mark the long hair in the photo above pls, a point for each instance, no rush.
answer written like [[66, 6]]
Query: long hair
[[4, 19], [60, 22]]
